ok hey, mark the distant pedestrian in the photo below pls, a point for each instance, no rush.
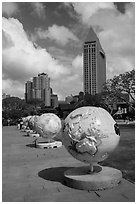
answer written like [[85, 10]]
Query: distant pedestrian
[[35, 143], [127, 120], [18, 124], [21, 124], [8, 122]]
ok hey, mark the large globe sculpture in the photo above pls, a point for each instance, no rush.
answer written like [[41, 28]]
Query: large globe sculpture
[[48, 125], [90, 134]]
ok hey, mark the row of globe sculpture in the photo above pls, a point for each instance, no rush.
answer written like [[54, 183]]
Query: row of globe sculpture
[[89, 134], [47, 125]]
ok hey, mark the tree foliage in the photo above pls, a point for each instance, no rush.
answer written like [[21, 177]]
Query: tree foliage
[[12, 103], [36, 102], [92, 100], [116, 88], [15, 108]]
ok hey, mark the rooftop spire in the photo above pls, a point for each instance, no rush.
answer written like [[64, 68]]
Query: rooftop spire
[[91, 36]]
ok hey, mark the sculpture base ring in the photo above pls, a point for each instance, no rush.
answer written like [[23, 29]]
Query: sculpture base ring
[[47, 145], [100, 179]]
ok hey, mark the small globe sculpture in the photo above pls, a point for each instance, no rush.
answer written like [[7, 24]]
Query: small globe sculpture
[[48, 125], [90, 134], [25, 120], [32, 122], [32, 126], [35, 122], [28, 117]]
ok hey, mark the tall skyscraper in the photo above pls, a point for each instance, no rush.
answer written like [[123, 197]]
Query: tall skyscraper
[[39, 88], [28, 91], [4, 95], [94, 64]]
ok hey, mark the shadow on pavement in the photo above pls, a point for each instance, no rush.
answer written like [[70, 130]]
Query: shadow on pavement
[[54, 174], [31, 145], [25, 135]]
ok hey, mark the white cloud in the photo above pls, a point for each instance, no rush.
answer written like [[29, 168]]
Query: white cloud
[[69, 85], [77, 62], [9, 8], [59, 34], [22, 60], [14, 88], [68, 8], [116, 33], [87, 9], [61, 55], [39, 9], [72, 84]]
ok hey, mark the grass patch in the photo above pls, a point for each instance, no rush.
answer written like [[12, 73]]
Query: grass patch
[[123, 158]]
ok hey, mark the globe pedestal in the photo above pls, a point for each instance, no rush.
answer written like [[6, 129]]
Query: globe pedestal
[[46, 145], [100, 178], [34, 135]]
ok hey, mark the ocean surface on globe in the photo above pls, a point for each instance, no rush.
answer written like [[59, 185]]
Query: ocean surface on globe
[[90, 134], [48, 125]]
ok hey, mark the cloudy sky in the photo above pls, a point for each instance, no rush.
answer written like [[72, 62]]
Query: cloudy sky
[[48, 37]]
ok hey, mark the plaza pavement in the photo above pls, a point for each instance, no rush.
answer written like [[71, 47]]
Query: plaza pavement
[[36, 175]]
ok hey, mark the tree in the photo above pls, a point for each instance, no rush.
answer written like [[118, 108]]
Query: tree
[[92, 100], [15, 108], [15, 114], [12, 103], [36, 102], [113, 91], [115, 88]]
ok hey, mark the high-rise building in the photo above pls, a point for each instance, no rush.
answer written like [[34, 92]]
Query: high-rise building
[[94, 64], [39, 88], [4, 95], [28, 91], [54, 100]]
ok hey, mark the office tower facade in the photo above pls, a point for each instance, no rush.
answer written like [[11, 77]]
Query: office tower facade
[[54, 100], [4, 95], [39, 88], [28, 91], [94, 64]]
